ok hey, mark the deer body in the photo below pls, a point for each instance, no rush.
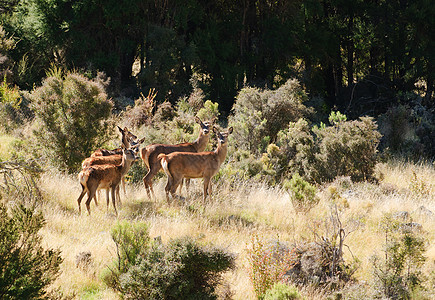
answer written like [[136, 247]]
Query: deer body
[[105, 160], [150, 153], [179, 165], [106, 176], [114, 157]]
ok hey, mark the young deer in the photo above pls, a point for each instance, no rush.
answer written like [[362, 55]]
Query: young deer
[[128, 139], [149, 153], [179, 165], [104, 176], [108, 160]]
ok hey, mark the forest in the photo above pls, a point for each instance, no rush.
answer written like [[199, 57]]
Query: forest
[[359, 56], [315, 121]]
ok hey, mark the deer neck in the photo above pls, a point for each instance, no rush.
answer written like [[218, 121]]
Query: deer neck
[[124, 166], [125, 141], [221, 152], [201, 142]]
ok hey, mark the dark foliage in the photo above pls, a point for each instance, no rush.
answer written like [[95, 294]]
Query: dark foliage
[[26, 267]]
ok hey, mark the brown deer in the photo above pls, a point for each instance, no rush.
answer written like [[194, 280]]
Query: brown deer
[[106, 177], [128, 139], [149, 153], [179, 165], [108, 160]]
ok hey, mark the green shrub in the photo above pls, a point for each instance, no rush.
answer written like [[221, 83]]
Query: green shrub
[[6, 45], [302, 193], [132, 241], [322, 153], [258, 115], [398, 274], [72, 114], [348, 148], [282, 291], [180, 270], [27, 269]]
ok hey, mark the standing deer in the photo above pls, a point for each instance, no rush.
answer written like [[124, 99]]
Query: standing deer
[[179, 165], [115, 159], [150, 153], [104, 176]]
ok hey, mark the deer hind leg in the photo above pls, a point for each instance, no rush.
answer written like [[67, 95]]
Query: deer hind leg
[[91, 194], [187, 180], [147, 180], [168, 187], [79, 200], [175, 183]]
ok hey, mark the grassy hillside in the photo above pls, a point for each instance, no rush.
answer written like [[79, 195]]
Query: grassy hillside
[[365, 230], [230, 220]]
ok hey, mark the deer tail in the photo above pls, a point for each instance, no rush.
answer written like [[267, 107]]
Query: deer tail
[[163, 160], [83, 178]]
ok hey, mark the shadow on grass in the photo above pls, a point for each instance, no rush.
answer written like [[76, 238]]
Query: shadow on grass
[[138, 208]]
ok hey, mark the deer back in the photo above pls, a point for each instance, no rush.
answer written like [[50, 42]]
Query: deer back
[[102, 160], [102, 176]]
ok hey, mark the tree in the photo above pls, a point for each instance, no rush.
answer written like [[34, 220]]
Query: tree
[[73, 113]]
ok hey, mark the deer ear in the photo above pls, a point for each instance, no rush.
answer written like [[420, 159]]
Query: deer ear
[[197, 120], [215, 130], [230, 130], [120, 129], [213, 120], [141, 140]]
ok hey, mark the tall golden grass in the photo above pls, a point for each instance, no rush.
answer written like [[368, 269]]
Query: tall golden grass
[[230, 219]]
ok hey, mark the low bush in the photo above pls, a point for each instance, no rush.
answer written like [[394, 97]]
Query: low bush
[[302, 193], [182, 269], [132, 241], [11, 115], [398, 274], [282, 291]]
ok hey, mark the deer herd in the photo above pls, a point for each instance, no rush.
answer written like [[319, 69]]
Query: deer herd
[[106, 169]]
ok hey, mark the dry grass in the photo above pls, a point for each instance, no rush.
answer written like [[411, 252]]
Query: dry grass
[[229, 221]]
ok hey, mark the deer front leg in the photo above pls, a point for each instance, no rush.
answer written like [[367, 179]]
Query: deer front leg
[[206, 187], [114, 198], [107, 199]]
